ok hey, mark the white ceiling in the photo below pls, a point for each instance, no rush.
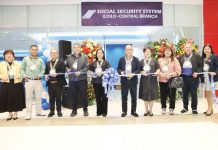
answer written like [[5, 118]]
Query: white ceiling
[[46, 2]]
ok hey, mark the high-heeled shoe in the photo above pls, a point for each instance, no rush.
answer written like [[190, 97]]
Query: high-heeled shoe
[[209, 113], [151, 114], [145, 114], [9, 118], [15, 118]]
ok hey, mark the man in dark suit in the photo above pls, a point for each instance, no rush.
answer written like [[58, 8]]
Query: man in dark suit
[[55, 82], [128, 66]]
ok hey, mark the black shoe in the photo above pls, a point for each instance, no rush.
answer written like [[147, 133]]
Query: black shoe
[[51, 114], [99, 114], [123, 114], [104, 115], [209, 113], [183, 111], [73, 114], [151, 114], [60, 114], [85, 113], [8, 119], [146, 114], [205, 112], [15, 118], [134, 114], [194, 112]]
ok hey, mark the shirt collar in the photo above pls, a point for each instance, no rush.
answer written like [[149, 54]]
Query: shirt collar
[[129, 59], [31, 57], [75, 55]]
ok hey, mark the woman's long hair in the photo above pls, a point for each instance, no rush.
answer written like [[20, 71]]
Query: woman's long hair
[[96, 57], [203, 54]]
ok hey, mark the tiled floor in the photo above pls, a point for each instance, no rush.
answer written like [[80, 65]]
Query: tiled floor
[[114, 112], [158, 136], [160, 132]]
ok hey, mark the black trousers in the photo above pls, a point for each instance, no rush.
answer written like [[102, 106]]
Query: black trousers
[[125, 87], [78, 90], [165, 92], [190, 87], [101, 99], [54, 91]]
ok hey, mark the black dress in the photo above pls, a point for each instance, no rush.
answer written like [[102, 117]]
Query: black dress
[[148, 89], [12, 97]]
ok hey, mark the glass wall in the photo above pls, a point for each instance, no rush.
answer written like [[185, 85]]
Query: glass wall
[[21, 26]]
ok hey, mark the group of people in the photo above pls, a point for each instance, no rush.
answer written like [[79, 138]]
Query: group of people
[[23, 82], [190, 66]]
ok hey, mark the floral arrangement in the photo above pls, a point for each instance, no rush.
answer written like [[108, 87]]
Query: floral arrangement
[[91, 94], [89, 48], [158, 47], [181, 44], [109, 79]]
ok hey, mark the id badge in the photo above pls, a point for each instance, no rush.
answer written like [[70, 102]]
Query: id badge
[[75, 65], [33, 67], [52, 71], [10, 73], [187, 64], [165, 68], [147, 68], [98, 70], [206, 67]]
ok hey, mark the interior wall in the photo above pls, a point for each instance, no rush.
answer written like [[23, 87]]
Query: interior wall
[[211, 23]]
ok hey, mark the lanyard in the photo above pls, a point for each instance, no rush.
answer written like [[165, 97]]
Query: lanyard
[[165, 67], [10, 71], [53, 67], [188, 58], [147, 66], [128, 61], [166, 62], [98, 68], [187, 62], [147, 62], [99, 65]]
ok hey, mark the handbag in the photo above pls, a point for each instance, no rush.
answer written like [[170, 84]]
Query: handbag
[[175, 82]]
